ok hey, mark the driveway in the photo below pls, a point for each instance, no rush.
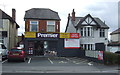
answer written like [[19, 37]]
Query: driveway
[[39, 64]]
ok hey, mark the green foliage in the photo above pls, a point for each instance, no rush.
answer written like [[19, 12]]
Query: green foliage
[[111, 58]]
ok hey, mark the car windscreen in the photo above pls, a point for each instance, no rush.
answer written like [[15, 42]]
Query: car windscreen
[[15, 50]]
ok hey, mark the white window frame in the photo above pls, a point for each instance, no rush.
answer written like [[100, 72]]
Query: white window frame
[[37, 23], [85, 31], [102, 32], [50, 23]]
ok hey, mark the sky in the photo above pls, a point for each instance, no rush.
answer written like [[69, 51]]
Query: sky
[[106, 10]]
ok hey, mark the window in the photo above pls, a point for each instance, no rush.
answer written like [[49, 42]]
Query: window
[[34, 26], [102, 32], [81, 31], [86, 32], [50, 26], [1, 23], [87, 46], [1, 40]]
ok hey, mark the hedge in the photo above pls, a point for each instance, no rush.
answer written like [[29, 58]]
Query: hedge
[[111, 58]]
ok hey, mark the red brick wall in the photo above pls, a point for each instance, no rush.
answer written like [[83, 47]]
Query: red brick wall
[[42, 25], [27, 25]]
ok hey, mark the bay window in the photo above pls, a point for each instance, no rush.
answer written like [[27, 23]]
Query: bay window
[[86, 31]]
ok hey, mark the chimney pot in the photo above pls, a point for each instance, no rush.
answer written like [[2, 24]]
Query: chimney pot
[[73, 15], [14, 14]]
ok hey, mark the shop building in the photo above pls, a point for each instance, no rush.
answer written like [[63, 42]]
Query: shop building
[[42, 33], [64, 44]]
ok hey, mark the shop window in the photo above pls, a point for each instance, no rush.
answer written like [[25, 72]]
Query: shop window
[[50, 26], [34, 26]]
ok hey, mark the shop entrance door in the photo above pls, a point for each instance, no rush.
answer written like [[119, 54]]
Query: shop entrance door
[[39, 48]]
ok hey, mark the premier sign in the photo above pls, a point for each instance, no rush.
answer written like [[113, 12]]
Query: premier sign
[[48, 35]]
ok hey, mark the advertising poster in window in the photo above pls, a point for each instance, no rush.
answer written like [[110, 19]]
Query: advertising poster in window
[[72, 43]]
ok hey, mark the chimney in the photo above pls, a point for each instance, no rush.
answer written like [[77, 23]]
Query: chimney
[[68, 15], [14, 14], [73, 15]]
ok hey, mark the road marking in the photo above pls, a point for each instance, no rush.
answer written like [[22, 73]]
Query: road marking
[[50, 61], [29, 60], [90, 64], [63, 62], [4, 61]]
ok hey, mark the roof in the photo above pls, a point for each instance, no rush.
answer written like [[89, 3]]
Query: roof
[[41, 13], [78, 22], [6, 16], [116, 32], [99, 23]]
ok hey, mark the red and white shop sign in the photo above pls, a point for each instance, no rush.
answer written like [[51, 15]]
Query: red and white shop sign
[[74, 35]]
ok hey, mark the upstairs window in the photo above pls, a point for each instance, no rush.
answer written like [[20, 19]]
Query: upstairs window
[[102, 32], [86, 32], [34, 26], [50, 26]]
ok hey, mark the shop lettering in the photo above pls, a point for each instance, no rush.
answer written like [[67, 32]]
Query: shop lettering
[[47, 35]]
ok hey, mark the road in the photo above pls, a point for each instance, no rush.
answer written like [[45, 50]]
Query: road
[[56, 65]]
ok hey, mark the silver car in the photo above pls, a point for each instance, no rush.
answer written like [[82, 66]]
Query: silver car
[[3, 51]]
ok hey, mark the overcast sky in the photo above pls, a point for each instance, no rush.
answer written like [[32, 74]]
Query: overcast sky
[[106, 10]]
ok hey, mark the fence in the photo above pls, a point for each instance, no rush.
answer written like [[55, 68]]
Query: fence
[[97, 56]]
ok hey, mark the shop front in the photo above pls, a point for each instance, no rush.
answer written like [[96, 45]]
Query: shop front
[[37, 43]]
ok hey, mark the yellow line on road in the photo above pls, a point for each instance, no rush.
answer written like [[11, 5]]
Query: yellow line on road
[[50, 61]]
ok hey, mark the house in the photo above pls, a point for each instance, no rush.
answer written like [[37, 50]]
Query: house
[[93, 31], [42, 26], [8, 29], [114, 44]]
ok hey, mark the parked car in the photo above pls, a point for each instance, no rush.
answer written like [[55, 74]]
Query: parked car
[[16, 54], [118, 52], [3, 51]]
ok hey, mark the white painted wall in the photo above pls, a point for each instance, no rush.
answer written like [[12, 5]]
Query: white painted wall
[[71, 28], [115, 37], [113, 49], [95, 39]]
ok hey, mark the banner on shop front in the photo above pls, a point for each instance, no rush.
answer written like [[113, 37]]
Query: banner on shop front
[[47, 35], [70, 35], [71, 43], [64, 35], [30, 34]]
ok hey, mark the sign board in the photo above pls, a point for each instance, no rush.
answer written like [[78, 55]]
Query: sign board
[[30, 34], [47, 35], [74, 35], [100, 55], [71, 43], [64, 35]]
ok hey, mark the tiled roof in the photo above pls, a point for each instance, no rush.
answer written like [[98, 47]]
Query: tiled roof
[[41, 13], [115, 32], [6, 16]]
